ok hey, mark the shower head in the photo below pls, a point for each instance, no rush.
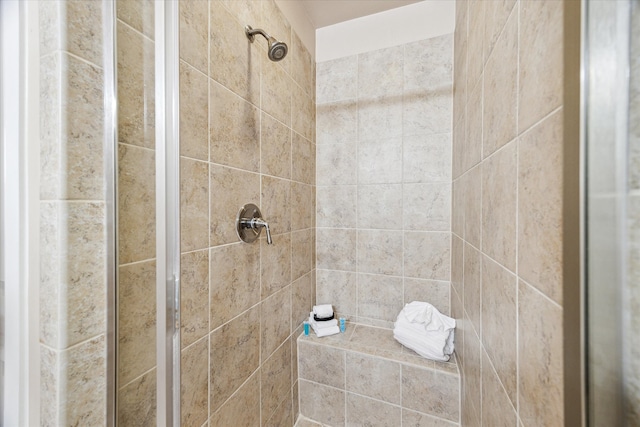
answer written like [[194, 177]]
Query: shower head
[[277, 49]]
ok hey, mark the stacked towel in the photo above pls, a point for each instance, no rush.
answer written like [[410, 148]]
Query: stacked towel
[[323, 328], [422, 328]]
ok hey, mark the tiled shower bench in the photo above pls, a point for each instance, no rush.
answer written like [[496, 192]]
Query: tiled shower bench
[[364, 377]]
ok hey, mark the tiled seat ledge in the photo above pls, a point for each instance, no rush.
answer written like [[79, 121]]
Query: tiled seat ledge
[[365, 377]]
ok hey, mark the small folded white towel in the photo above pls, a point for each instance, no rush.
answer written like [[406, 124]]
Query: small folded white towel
[[324, 332], [323, 310], [325, 327]]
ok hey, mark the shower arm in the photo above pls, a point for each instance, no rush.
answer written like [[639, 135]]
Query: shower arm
[[250, 32]]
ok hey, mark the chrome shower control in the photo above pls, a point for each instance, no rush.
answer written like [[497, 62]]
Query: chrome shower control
[[249, 224]]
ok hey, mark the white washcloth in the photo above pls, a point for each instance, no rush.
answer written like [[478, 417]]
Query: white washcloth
[[323, 332], [323, 311], [323, 323], [422, 328]]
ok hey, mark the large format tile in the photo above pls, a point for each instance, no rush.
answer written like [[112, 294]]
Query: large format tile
[[373, 377], [275, 264], [440, 399], [322, 364], [194, 34], [337, 288], [326, 406], [194, 384], [194, 204], [427, 255], [242, 409], [363, 411], [275, 321], [194, 296], [380, 252], [379, 297], [275, 380], [194, 111]]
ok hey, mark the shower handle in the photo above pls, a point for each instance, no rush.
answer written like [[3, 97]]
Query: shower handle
[[249, 224]]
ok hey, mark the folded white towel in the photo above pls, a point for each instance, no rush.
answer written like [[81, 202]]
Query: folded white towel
[[323, 310], [323, 332], [323, 323], [434, 348]]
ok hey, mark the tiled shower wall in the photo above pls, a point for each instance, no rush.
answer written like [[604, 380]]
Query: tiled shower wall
[[384, 180], [507, 222], [72, 215]]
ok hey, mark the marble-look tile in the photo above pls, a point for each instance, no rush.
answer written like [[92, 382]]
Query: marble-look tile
[[417, 419], [363, 411], [472, 202], [234, 286], [379, 297], [380, 252], [234, 129], [426, 158], [541, 60], [242, 409], [233, 60], [300, 300], [276, 204], [381, 119], [136, 204], [427, 207], [303, 112], [336, 206], [439, 399], [496, 15], [49, 377], [337, 288], [337, 123], [275, 380], [302, 65], [322, 364], [540, 374], [50, 122], [194, 296], [194, 204], [139, 14], [434, 292], [194, 383], [295, 397], [275, 264], [303, 206], [499, 323], [278, 25], [459, 145], [194, 34], [336, 164], [136, 111], [380, 206], [460, 94], [472, 288], [336, 249], [241, 10], [136, 320], [234, 356], [471, 150], [83, 383], [428, 64], [540, 206], [496, 409], [301, 262], [500, 90], [427, 255], [275, 321], [322, 403], [283, 414], [457, 264], [137, 401], [457, 206], [303, 158], [334, 80], [229, 190], [472, 371], [373, 377], [275, 87], [50, 25], [380, 161], [499, 205], [82, 22], [428, 113], [475, 40], [275, 148], [380, 74], [374, 340], [194, 111]]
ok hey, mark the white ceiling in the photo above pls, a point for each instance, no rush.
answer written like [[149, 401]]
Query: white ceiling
[[322, 13]]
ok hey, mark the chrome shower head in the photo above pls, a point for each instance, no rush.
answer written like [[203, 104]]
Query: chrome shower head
[[277, 49]]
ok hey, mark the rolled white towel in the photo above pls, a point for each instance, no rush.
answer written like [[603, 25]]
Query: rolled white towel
[[323, 310], [434, 348]]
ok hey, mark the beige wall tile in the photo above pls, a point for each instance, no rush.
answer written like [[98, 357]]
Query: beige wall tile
[[302, 65], [457, 264], [417, 419], [380, 161], [275, 264], [336, 206], [327, 406], [361, 410], [276, 204], [303, 206], [337, 164], [499, 323], [337, 122], [321, 364], [49, 383], [496, 408], [471, 149], [194, 296], [500, 89], [499, 205], [427, 207], [431, 291], [194, 110], [379, 206], [303, 159], [338, 288], [234, 356], [275, 148], [380, 119], [50, 123], [541, 60], [139, 14], [459, 145], [301, 261], [283, 416], [275, 381], [301, 301], [540, 207], [136, 111], [334, 80], [229, 190], [472, 206], [380, 252], [336, 249], [428, 113], [242, 10], [137, 401], [82, 22], [194, 383], [373, 377], [302, 112], [234, 286], [379, 297], [472, 373], [234, 129], [275, 321], [475, 41], [496, 15], [439, 400], [458, 201], [427, 255], [428, 64], [243, 408], [426, 158], [49, 22], [275, 87], [194, 204], [194, 35], [540, 374], [380, 73], [473, 285]]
